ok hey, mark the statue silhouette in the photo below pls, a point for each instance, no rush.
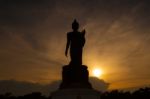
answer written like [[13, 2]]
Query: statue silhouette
[[75, 75], [75, 41]]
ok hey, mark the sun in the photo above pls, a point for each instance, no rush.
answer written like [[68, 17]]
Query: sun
[[97, 72]]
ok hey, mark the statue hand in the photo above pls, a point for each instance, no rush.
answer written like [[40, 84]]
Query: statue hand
[[66, 54], [84, 32]]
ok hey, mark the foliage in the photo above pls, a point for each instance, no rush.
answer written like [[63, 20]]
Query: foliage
[[142, 93]]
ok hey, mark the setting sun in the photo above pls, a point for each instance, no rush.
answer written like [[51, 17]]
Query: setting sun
[[97, 72]]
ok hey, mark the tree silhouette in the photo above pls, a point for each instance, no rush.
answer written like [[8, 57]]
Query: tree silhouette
[[142, 93]]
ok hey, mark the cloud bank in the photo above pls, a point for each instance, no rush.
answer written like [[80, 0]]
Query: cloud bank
[[19, 88]]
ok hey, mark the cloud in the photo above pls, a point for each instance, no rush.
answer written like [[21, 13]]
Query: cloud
[[21, 88], [99, 84], [33, 37]]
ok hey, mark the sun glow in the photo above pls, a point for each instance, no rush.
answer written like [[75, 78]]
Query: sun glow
[[97, 72]]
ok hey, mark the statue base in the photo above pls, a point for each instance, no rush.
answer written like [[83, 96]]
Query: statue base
[[75, 94], [75, 77], [75, 84]]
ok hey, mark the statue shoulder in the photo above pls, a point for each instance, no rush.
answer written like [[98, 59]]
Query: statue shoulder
[[69, 33]]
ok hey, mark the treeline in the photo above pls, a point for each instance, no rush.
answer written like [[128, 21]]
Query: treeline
[[34, 95], [143, 93]]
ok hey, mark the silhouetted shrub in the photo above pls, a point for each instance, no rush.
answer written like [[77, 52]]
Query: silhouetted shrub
[[142, 93]]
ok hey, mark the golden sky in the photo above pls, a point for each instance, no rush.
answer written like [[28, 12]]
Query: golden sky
[[33, 38]]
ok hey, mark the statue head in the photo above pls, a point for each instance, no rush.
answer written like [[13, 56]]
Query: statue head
[[75, 25]]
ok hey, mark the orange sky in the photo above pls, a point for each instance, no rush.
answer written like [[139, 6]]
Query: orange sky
[[33, 38]]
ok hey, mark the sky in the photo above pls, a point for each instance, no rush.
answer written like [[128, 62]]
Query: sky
[[33, 38]]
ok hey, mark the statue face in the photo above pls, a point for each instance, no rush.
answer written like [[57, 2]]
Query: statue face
[[75, 27]]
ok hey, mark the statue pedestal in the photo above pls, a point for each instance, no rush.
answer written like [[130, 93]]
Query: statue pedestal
[[75, 77], [75, 84]]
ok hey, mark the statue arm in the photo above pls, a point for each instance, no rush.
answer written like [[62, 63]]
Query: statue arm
[[83, 33], [84, 41], [67, 45]]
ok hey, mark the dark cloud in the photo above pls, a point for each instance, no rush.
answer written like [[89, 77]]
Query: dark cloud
[[24, 13], [99, 84], [22, 88]]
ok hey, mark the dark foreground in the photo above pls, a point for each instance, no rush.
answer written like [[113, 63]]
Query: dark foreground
[[143, 93]]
